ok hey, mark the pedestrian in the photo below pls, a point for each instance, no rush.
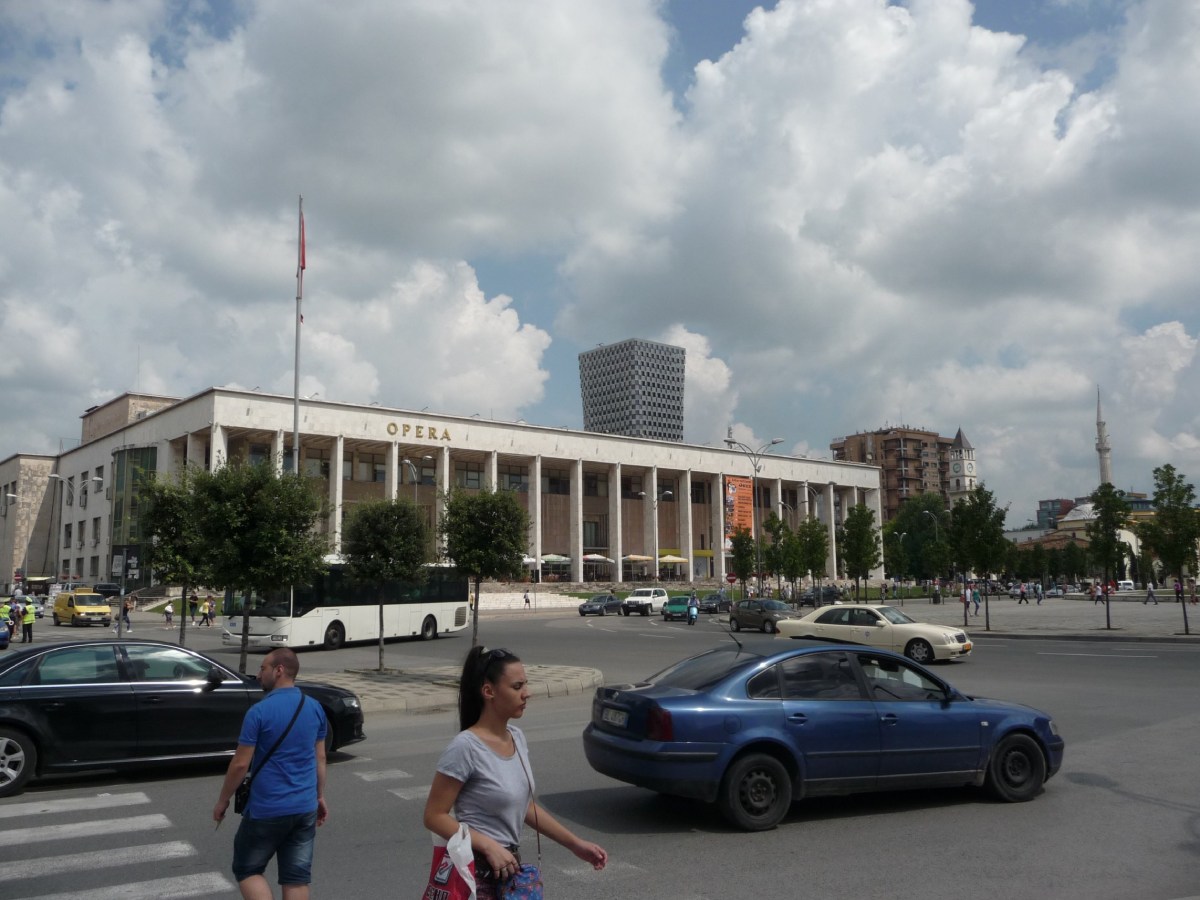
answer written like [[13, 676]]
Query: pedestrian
[[6, 613], [282, 745], [205, 617], [527, 598], [1194, 591], [1178, 591], [169, 612], [975, 598], [28, 615], [1037, 590], [193, 605], [123, 609], [1150, 595], [1023, 597], [212, 610], [484, 778], [1098, 595]]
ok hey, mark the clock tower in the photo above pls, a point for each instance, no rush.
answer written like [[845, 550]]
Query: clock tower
[[962, 474]]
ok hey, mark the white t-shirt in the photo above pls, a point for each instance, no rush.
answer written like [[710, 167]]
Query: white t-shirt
[[495, 791]]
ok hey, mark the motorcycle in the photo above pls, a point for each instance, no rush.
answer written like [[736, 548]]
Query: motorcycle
[[693, 614]]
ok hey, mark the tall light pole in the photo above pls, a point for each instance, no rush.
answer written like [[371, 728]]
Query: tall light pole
[[8, 498], [654, 527], [755, 457]]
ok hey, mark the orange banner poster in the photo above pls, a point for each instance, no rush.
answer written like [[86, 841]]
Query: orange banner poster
[[739, 510]]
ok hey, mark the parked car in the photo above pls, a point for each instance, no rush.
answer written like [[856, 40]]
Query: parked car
[[644, 601], [81, 607], [762, 614], [880, 626], [1053, 591], [600, 605], [811, 720], [715, 603], [675, 608], [125, 704], [107, 589], [827, 594]]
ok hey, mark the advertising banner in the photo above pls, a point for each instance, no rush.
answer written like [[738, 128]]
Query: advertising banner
[[739, 509]]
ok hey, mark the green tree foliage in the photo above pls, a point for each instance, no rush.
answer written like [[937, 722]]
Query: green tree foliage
[[383, 541], [741, 560], [1074, 561], [1104, 532], [792, 553], [774, 530], [256, 531], [175, 555], [1175, 528], [485, 533], [813, 539], [915, 520], [977, 533], [860, 544]]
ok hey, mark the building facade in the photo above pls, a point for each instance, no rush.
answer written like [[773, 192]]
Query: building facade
[[601, 496], [913, 461], [633, 388]]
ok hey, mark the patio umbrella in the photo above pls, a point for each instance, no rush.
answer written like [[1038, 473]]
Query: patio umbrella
[[555, 558], [596, 558], [633, 557], [670, 559]]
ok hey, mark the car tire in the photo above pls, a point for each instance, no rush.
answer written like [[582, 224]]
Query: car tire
[[429, 629], [756, 792], [734, 625], [603, 611], [18, 761], [331, 743], [57, 621], [919, 650], [335, 636], [583, 615], [1017, 769], [768, 626]]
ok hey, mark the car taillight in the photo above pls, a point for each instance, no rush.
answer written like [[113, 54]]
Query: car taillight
[[658, 725]]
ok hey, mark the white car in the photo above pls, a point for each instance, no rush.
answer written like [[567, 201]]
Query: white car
[[880, 626]]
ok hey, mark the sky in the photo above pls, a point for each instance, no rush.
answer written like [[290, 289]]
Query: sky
[[852, 214]]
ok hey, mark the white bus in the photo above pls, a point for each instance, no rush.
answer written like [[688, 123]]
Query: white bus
[[335, 609]]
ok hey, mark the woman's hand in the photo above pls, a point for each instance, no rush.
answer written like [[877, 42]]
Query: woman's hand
[[503, 864], [590, 853]]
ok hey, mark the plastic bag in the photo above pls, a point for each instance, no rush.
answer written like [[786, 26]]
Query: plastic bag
[[452, 873]]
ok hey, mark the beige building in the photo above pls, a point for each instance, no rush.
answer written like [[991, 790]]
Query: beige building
[[591, 497]]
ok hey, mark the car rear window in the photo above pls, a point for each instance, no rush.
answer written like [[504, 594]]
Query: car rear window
[[701, 672]]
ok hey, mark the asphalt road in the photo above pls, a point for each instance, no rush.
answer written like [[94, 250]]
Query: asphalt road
[[1121, 820]]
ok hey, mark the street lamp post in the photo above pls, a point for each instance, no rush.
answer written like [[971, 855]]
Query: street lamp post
[[755, 457], [654, 527], [900, 540]]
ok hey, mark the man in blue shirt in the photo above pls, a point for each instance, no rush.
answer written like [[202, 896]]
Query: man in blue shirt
[[287, 800]]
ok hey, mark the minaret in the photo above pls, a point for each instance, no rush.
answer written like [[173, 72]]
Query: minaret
[[1102, 449]]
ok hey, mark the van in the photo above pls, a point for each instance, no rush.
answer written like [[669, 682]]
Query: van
[[1124, 585], [82, 607]]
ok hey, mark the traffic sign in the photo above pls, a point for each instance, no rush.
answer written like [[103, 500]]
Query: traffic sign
[[731, 578]]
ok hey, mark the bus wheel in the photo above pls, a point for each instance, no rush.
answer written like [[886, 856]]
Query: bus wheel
[[429, 629], [335, 636]]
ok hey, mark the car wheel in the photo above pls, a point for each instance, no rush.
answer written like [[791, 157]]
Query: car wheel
[[330, 735], [583, 615], [768, 626], [756, 792], [429, 629], [919, 650], [603, 611], [57, 621], [335, 636], [1017, 769], [18, 761], [734, 625]]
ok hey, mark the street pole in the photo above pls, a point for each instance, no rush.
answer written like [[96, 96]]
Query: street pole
[[755, 457], [654, 525]]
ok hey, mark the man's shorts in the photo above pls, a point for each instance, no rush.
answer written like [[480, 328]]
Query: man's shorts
[[288, 838]]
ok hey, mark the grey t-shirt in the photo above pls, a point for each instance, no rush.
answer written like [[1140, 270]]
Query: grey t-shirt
[[495, 792]]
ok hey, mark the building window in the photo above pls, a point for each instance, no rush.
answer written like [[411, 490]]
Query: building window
[[371, 467], [513, 478], [468, 475], [595, 484], [556, 481], [258, 453], [94, 567], [667, 487], [347, 466], [316, 463], [67, 535], [631, 487], [595, 533], [71, 491], [700, 491]]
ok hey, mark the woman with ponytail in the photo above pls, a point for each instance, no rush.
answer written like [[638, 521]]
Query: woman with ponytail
[[484, 778]]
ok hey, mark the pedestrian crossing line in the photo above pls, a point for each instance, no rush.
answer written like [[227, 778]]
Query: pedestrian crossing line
[[383, 775], [82, 829], [416, 793], [15, 869], [201, 885], [75, 804]]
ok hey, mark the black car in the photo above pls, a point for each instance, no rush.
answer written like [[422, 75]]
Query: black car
[[110, 704], [827, 594], [715, 603], [600, 605], [107, 589]]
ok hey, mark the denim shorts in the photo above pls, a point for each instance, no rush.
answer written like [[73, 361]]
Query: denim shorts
[[288, 838]]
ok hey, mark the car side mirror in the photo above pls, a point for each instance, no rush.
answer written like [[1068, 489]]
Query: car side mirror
[[213, 681]]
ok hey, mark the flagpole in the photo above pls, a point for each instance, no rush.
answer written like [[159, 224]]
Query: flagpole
[[300, 261]]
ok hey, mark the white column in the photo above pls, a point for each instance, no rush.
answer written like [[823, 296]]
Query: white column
[[873, 502], [831, 525], [335, 494], [440, 490], [616, 547], [492, 471], [576, 525], [718, 526], [277, 452], [535, 512], [687, 541], [218, 448], [391, 475]]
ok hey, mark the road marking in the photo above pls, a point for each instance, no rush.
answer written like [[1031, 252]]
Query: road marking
[[78, 804], [1103, 655], [380, 776], [15, 869], [415, 793], [161, 889], [82, 829]]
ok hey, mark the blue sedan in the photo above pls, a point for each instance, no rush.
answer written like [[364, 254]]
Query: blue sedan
[[753, 732]]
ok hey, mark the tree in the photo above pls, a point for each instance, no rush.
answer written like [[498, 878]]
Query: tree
[[772, 551], [741, 558], [1074, 560], [977, 534], [255, 530], [485, 533], [1104, 532], [169, 522], [384, 541], [813, 539], [1175, 528], [915, 519], [792, 553], [860, 546]]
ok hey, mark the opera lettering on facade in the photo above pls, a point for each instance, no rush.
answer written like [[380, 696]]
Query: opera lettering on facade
[[425, 432]]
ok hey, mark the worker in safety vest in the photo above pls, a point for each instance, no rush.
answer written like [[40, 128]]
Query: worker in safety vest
[[27, 623]]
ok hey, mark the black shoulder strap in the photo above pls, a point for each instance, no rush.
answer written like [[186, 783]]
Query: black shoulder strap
[[295, 716]]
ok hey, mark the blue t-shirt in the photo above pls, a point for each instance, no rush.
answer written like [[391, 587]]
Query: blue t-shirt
[[287, 784]]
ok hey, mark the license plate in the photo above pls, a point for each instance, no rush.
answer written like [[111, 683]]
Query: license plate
[[616, 717]]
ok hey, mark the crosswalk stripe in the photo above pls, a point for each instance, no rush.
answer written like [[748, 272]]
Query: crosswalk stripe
[[415, 793], [382, 775], [82, 829], [76, 804], [15, 869], [160, 889]]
